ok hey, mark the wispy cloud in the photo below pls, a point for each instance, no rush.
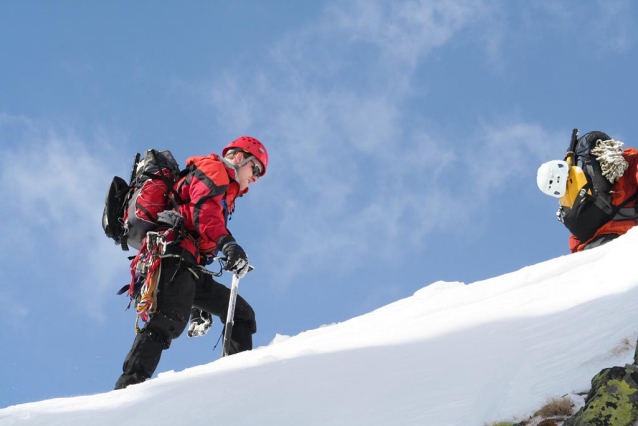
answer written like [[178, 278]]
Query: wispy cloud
[[404, 30], [56, 181], [506, 151], [615, 28], [351, 172], [605, 24]]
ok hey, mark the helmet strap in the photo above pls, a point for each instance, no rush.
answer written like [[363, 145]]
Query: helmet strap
[[237, 166]]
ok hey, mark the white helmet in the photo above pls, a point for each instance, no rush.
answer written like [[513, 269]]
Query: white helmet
[[552, 178]]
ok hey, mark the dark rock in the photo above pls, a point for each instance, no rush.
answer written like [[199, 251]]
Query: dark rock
[[612, 400]]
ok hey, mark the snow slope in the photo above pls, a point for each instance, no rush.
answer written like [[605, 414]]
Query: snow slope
[[452, 354]]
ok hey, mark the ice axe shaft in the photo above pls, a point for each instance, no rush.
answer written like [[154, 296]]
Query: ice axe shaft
[[570, 156], [230, 316]]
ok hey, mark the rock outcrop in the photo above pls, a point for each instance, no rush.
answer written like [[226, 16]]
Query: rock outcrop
[[612, 400]]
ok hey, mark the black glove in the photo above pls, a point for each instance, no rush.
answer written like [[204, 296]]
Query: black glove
[[236, 259], [201, 322]]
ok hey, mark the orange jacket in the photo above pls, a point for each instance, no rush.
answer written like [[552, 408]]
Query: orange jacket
[[625, 187]]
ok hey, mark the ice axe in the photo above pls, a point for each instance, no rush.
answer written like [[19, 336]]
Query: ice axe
[[230, 315]]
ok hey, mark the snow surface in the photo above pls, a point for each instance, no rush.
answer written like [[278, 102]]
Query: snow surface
[[452, 354]]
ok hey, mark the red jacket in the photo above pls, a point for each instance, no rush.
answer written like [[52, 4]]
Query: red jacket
[[625, 187], [209, 192]]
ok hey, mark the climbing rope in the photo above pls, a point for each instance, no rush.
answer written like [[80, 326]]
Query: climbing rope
[[609, 156], [145, 269]]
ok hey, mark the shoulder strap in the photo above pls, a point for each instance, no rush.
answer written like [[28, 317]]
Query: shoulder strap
[[621, 212]]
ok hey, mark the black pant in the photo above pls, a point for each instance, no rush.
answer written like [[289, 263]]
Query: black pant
[[178, 291]]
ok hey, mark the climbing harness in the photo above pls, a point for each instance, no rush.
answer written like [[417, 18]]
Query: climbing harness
[[146, 273]]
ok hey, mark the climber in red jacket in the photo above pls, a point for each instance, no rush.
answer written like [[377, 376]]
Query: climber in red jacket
[[209, 191]]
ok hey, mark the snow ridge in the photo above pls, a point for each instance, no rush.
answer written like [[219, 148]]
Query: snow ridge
[[450, 355]]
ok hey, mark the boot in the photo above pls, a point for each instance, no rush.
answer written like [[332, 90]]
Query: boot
[[241, 339], [143, 358], [126, 380]]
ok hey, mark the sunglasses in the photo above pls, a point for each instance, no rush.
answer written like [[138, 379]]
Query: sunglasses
[[256, 169]]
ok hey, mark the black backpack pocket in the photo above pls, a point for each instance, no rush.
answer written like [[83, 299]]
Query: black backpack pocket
[[114, 207], [585, 217]]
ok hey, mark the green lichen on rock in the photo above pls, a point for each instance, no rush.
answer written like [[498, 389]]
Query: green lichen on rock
[[612, 400]]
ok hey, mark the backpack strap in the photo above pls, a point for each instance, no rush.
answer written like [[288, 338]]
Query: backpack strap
[[175, 199], [589, 174], [621, 212]]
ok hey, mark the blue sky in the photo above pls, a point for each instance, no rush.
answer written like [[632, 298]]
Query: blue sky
[[404, 139]]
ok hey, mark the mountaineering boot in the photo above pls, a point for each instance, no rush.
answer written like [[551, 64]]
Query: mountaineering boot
[[142, 360], [241, 338], [128, 379]]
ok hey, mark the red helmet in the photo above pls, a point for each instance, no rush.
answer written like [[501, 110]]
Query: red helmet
[[251, 145]]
